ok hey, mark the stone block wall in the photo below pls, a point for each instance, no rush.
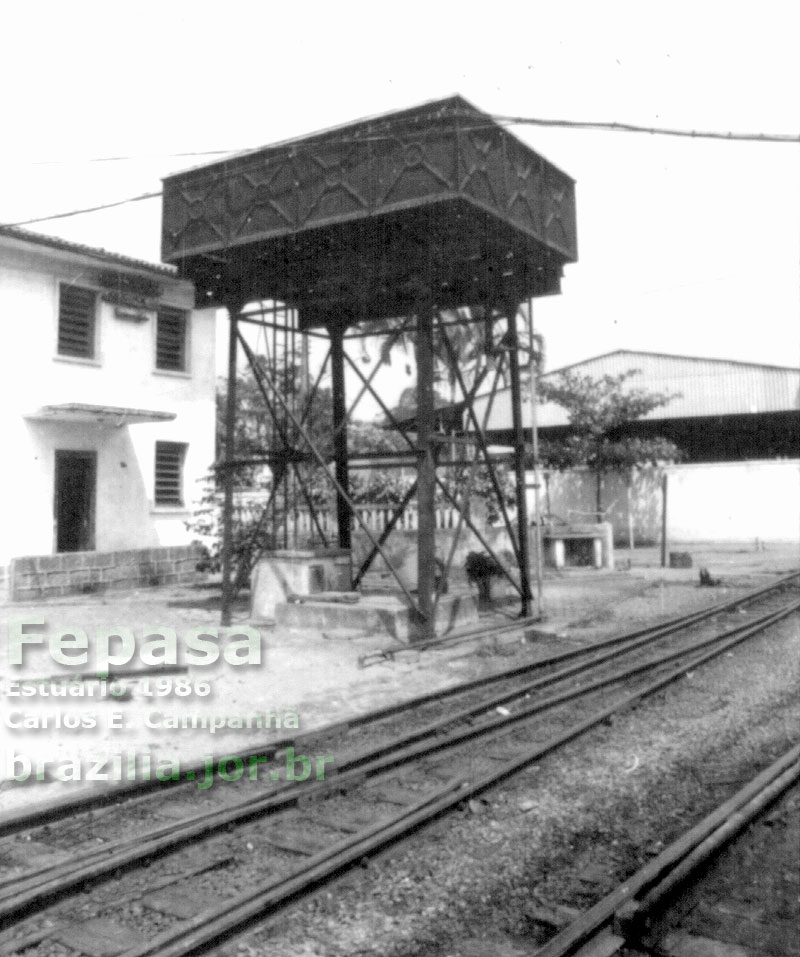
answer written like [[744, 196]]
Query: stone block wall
[[34, 577]]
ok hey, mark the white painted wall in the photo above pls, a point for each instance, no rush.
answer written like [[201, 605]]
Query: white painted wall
[[715, 502], [737, 501], [123, 375]]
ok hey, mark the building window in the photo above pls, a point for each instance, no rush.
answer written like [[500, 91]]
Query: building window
[[76, 320], [169, 473], [171, 339]]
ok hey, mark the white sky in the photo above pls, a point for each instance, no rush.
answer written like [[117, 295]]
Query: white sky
[[685, 246]]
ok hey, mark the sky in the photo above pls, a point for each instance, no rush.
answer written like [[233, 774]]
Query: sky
[[685, 246]]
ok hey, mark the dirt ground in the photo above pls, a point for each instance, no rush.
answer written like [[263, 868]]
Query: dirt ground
[[318, 679]]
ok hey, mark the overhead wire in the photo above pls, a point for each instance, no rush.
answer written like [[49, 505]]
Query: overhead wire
[[495, 120]]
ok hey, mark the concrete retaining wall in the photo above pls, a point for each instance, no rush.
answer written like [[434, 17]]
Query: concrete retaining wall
[[47, 576]]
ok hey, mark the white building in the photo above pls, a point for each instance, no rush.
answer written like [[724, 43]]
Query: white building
[[737, 425], [107, 420]]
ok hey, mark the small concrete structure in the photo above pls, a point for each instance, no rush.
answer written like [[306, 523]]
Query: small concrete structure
[[387, 615], [293, 587], [595, 545], [286, 572]]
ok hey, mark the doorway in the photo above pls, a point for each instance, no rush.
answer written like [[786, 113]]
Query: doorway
[[75, 501]]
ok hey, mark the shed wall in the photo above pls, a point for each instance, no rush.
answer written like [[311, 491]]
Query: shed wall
[[713, 502]]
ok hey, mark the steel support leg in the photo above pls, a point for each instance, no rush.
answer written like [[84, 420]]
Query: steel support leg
[[340, 436], [519, 461], [426, 473], [228, 476]]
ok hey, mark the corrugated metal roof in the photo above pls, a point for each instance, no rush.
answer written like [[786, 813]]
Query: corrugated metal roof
[[40, 239], [707, 387]]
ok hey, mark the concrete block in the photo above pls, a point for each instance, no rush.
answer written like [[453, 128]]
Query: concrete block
[[24, 565], [680, 560], [376, 615], [281, 573], [79, 576], [25, 580]]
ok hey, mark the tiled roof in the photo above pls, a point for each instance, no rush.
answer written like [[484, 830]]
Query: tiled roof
[[706, 387], [116, 259]]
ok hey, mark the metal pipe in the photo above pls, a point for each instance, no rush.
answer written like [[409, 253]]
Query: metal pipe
[[426, 471], [340, 437], [228, 476]]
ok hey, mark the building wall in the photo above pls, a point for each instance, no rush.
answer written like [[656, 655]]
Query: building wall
[[122, 375], [719, 502]]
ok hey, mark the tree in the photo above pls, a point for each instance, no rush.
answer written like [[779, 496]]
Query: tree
[[465, 331], [599, 410], [258, 434]]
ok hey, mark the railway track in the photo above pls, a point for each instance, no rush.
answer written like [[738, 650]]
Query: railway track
[[383, 785], [645, 913], [386, 721]]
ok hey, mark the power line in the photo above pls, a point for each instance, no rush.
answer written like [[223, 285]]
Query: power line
[[597, 126], [87, 209], [135, 156], [613, 127]]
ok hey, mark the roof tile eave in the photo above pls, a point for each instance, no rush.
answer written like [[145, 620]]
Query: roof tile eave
[[104, 255]]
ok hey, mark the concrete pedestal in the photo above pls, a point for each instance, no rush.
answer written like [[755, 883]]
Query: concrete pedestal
[[556, 537], [285, 572], [387, 615]]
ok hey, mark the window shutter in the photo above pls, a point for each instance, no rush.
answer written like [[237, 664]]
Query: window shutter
[[169, 473], [171, 339], [76, 312]]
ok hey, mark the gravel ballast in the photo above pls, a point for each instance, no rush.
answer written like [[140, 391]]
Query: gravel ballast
[[498, 877]]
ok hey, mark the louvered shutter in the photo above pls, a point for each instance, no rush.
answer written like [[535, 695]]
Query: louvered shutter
[[76, 315], [169, 473], [171, 339]]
